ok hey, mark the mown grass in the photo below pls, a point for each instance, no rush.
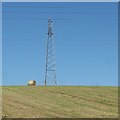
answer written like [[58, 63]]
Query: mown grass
[[60, 102]]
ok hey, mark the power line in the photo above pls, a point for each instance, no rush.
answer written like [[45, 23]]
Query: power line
[[6, 12], [32, 19], [18, 6], [40, 19]]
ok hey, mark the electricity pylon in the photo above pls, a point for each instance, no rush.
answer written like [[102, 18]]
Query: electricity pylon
[[50, 68]]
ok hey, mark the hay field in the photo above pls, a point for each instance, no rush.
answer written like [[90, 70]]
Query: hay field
[[59, 102]]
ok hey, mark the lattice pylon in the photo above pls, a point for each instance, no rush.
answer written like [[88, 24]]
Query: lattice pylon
[[50, 68]]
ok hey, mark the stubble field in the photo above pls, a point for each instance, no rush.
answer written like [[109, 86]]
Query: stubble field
[[59, 102]]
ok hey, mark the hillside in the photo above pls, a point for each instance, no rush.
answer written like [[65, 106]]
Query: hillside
[[59, 101]]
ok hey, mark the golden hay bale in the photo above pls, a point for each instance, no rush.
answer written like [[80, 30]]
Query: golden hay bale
[[31, 83]]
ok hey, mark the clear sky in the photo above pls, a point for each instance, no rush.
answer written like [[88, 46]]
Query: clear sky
[[86, 42]]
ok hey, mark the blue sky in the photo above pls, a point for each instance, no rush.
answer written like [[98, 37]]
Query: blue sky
[[86, 42]]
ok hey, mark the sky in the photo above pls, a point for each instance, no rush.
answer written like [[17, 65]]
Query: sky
[[0, 46], [86, 42]]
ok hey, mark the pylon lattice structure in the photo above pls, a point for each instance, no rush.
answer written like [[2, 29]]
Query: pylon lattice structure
[[50, 68]]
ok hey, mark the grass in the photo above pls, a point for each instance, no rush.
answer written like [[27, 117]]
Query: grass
[[59, 102]]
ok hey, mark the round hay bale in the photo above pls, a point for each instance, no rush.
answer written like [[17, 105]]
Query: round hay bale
[[31, 83]]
